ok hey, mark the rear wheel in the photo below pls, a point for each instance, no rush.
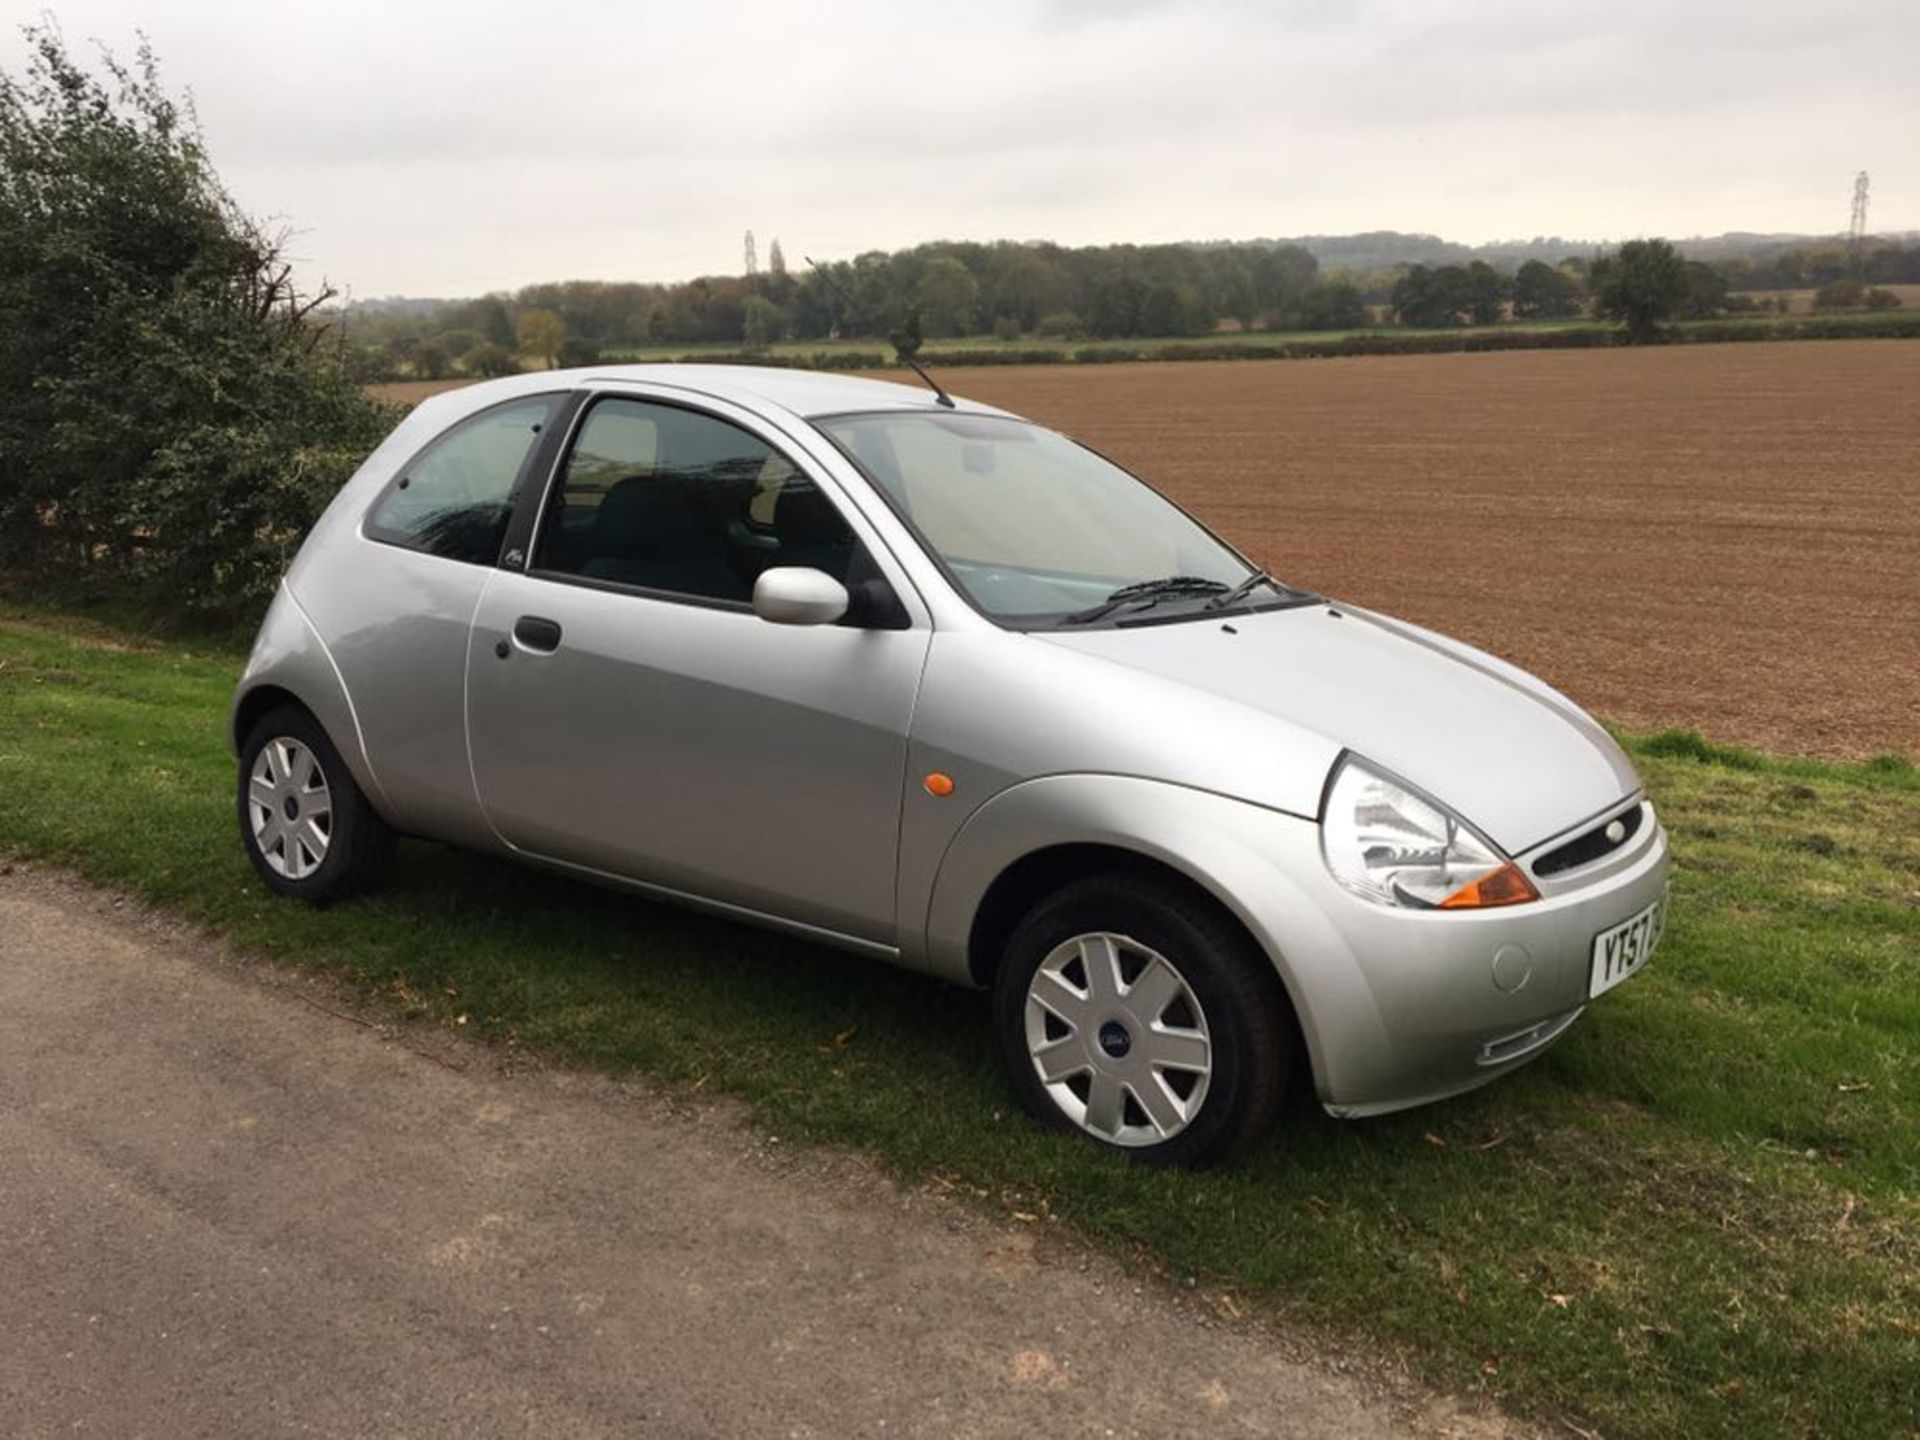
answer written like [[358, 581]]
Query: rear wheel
[[304, 822], [1131, 1011]]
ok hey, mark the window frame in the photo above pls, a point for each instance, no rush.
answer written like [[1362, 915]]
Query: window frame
[[555, 485], [516, 491]]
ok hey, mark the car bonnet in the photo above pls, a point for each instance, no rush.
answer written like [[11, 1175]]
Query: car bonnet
[[1511, 756]]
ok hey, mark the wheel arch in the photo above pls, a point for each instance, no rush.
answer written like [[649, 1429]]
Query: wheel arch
[[254, 702], [1037, 874], [1037, 836], [291, 665]]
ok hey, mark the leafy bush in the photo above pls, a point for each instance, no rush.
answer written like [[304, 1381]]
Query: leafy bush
[[1060, 325], [1540, 292], [490, 360], [1450, 295], [1879, 299], [1706, 294], [576, 352], [429, 361], [171, 419], [1336, 305], [458, 343], [1840, 295]]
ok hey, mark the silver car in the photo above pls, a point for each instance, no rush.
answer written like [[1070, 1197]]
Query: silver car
[[920, 679]]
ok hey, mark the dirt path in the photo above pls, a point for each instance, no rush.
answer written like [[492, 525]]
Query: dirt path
[[233, 1202]]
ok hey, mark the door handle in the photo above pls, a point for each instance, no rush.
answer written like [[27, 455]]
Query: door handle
[[537, 634]]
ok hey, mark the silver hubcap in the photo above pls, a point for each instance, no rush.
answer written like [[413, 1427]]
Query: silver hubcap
[[289, 808], [1118, 1039]]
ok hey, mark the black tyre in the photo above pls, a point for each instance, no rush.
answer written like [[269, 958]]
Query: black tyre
[[304, 822], [1131, 1010]]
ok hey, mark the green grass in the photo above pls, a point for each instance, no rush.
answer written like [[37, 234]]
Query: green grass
[[1697, 1215]]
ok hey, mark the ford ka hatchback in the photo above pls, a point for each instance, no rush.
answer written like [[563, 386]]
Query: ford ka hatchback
[[920, 679]]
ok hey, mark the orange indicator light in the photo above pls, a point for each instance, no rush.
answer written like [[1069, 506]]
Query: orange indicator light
[[1505, 886], [939, 783]]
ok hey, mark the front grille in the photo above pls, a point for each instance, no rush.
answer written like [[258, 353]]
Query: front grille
[[1594, 844]]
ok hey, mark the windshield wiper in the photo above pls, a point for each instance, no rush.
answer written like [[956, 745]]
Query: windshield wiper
[[1247, 586], [1148, 593]]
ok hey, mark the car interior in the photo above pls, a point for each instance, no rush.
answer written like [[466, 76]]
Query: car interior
[[673, 500]]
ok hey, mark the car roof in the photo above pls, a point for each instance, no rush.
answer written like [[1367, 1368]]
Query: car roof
[[806, 393]]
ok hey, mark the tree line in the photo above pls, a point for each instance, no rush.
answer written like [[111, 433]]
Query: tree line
[[1011, 290], [1004, 289]]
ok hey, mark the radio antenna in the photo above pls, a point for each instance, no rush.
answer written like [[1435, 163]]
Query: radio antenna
[[905, 340]]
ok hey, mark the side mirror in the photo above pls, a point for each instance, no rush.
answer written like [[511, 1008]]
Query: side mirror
[[798, 595]]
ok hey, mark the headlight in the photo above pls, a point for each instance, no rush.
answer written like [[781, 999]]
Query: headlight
[[1395, 847]]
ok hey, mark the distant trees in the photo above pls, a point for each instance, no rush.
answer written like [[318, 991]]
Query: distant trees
[[1282, 277], [1540, 292], [1025, 285], [1706, 292], [1174, 309], [1852, 295], [430, 360], [1009, 289], [1642, 285], [1118, 299], [540, 333], [1473, 294], [1006, 289], [1487, 293], [1839, 295], [948, 297], [779, 285], [1799, 267], [761, 322], [1337, 305], [490, 360]]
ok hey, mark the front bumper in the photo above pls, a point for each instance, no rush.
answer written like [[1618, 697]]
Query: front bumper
[[1397, 1007], [1403, 1007]]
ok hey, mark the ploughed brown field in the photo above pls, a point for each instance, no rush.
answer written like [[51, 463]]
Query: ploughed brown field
[[1725, 537]]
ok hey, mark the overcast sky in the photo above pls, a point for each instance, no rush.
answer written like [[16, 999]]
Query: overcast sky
[[446, 149]]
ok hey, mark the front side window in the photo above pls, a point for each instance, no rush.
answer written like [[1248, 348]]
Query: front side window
[[680, 502], [454, 497], [1032, 527]]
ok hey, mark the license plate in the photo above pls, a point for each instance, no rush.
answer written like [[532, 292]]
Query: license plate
[[1618, 952]]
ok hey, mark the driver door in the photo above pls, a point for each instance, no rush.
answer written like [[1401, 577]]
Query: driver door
[[629, 713]]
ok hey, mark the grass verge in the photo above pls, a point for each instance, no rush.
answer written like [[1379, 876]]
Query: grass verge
[[1697, 1215]]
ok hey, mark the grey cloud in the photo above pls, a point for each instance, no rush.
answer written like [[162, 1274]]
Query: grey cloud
[[434, 146]]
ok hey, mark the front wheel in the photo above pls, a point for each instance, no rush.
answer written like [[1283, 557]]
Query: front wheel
[[1132, 1011], [306, 826]]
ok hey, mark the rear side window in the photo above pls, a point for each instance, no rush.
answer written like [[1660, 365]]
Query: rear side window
[[686, 504], [454, 497]]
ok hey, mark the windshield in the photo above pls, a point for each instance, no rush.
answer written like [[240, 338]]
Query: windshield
[[1035, 529]]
